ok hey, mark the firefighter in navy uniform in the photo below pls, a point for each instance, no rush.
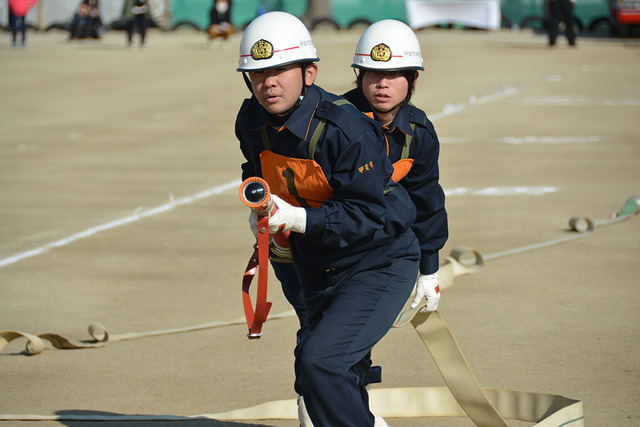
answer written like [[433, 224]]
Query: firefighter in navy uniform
[[353, 250], [388, 58]]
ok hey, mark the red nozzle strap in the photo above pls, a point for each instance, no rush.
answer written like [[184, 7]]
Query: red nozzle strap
[[259, 261]]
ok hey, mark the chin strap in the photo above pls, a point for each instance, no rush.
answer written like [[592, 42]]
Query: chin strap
[[247, 82], [380, 112]]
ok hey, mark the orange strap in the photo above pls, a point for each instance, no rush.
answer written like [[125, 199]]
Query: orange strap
[[259, 261]]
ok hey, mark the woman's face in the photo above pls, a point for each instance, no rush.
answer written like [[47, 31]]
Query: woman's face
[[385, 90]]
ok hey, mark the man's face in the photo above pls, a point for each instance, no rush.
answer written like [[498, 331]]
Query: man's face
[[385, 90], [277, 89]]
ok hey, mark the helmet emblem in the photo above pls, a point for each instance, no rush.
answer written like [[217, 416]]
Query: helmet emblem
[[262, 49], [381, 52]]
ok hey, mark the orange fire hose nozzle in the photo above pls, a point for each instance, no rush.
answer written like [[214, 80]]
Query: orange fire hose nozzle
[[255, 193]]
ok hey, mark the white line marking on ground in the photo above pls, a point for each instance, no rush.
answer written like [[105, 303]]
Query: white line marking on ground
[[526, 140], [500, 191], [580, 100], [139, 213], [600, 68], [551, 140], [473, 100]]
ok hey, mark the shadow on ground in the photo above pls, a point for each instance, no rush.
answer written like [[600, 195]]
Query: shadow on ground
[[158, 422]]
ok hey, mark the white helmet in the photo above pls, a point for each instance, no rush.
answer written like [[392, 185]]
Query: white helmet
[[275, 39], [388, 45]]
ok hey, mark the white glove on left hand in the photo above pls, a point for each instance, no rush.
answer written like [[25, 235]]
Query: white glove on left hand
[[292, 217], [427, 286]]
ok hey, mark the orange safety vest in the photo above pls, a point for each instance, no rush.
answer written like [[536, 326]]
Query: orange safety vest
[[300, 182]]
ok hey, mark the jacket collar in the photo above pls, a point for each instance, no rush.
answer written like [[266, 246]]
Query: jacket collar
[[403, 118], [298, 120]]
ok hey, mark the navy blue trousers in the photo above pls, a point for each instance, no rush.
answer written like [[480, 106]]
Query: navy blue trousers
[[286, 274], [18, 24], [139, 22], [348, 312]]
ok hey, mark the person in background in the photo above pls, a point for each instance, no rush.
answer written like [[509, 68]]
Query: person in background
[[387, 59], [137, 14], [220, 18], [86, 21], [353, 250], [561, 10], [18, 9]]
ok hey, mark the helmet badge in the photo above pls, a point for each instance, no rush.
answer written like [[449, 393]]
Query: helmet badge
[[262, 49], [381, 52]]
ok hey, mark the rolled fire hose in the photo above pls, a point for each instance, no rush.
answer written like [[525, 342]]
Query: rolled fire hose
[[463, 396]]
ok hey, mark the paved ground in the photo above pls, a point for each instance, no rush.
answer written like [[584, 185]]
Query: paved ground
[[137, 148]]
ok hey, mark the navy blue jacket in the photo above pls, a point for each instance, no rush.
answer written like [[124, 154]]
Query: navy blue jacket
[[360, 216], [422, 181]]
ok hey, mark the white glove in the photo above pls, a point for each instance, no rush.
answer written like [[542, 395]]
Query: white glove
[[292, 217], [427, 286]]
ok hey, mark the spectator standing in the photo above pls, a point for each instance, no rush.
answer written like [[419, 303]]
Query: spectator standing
[[561, 10], [17, 11], [137, 14]]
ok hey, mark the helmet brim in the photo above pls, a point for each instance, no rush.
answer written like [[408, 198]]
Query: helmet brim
[[297, 61], [361, 67]]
